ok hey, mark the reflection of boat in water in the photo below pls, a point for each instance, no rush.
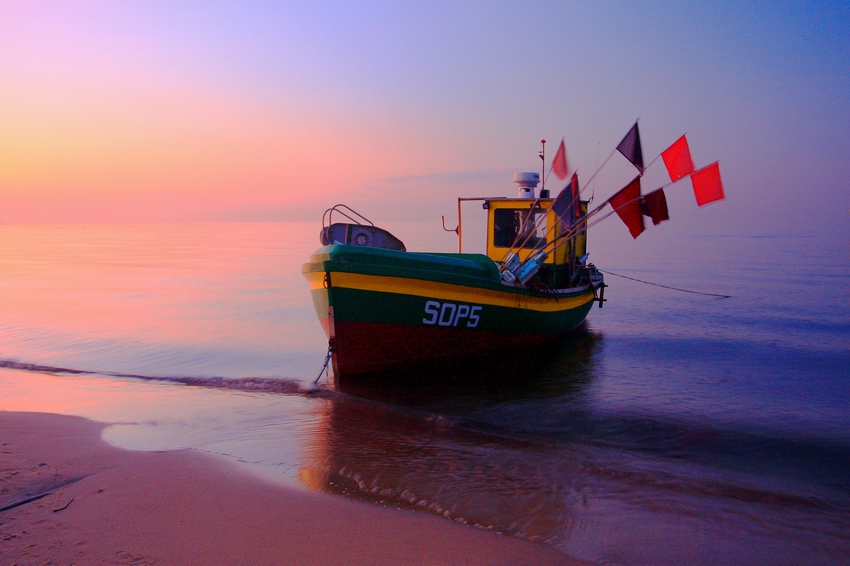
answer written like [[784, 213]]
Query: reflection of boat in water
[[384, 308], [443, 450], [428, 463]]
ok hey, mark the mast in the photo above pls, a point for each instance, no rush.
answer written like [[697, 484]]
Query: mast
[[542, 167]]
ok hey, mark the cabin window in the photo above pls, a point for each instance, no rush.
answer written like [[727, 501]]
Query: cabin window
[[509, 223]]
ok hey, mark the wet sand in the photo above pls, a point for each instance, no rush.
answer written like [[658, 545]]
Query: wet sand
[[69, 497]]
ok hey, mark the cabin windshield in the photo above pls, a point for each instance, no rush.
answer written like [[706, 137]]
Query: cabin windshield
[[509, 223]]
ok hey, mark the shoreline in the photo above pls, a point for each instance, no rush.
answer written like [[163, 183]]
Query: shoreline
[[83, 501]]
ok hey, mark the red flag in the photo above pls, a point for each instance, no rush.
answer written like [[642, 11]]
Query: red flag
[[654, 205], [559, 164], [630, 148], [677, 158], [707, 185], [627, 205]]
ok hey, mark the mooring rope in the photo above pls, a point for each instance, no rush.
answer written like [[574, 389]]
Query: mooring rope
[[324, 369], [666, 286]]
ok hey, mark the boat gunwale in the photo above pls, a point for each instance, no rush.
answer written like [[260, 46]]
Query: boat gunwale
[[323, 262]]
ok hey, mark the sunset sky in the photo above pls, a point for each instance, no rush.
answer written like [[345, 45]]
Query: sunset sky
[[184, 111]]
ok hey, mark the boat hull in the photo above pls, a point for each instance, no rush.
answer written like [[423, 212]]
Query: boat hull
[[383, 310]]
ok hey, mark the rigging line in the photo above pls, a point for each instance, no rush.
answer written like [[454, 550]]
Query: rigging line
[[595, 211], [585, 220], [576, 227], [574, 230], [659, 156], [651, 162], [666, 286], [598, 169], [531, 230], [593, 189]]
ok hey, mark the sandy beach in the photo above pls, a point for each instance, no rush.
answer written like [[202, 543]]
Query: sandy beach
[[68, 497]]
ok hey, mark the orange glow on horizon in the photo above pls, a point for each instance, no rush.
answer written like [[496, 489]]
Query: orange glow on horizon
[[153, 153]]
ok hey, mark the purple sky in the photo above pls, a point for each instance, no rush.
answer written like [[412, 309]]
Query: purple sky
[[146, 111]]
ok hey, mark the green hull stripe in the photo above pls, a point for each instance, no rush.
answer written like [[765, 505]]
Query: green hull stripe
[[354, 305]]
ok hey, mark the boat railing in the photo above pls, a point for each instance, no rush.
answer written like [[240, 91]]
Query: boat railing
[[352, 215]]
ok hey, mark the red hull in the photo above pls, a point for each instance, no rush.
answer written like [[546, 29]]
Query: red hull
[[364, 347]]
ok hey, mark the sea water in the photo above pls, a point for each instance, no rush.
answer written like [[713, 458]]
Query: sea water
[[671, 428]]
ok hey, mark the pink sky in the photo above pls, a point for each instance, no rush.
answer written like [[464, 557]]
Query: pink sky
[[164, 111]]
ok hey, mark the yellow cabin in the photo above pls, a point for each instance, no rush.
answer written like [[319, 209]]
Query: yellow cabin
[[530, 222]]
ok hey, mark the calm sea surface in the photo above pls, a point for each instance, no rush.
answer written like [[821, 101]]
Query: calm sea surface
[[671, 428]]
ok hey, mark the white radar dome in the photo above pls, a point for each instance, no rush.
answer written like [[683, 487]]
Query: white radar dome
[[527, 182]]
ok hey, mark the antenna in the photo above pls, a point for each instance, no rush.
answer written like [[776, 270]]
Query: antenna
[[542, 155]]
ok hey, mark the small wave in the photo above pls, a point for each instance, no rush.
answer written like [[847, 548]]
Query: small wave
[[11, 364], [251, 384]]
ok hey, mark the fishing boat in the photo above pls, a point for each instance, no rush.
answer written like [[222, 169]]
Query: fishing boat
[[385, 308]]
